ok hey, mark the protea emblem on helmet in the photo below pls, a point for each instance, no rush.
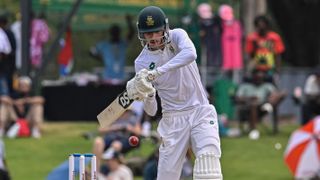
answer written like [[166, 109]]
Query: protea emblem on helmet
[[150, 21]]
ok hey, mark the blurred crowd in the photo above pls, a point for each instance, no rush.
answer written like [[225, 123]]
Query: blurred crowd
[[21, 111], [248, 86]]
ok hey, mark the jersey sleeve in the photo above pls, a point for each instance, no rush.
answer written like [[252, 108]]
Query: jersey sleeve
[[186, 51]]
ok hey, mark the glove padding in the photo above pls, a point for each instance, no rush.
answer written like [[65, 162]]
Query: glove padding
[[133, 93], [153, 74], [149, 75], [139, 87]]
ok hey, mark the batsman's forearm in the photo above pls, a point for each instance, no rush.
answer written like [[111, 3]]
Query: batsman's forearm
[[150, 105]]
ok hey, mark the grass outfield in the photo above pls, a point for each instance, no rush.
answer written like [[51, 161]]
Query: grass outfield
[[242, 158]]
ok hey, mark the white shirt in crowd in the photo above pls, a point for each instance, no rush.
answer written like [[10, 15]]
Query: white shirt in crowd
[[5, 46], [312, 86], [16, 29]]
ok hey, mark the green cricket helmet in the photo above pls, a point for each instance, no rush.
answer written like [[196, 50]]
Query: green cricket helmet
[[152, 19]]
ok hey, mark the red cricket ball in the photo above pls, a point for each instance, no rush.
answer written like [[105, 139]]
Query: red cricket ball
[[133, 140]]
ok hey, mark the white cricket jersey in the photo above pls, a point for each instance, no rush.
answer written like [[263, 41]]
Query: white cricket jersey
[[179, 86]]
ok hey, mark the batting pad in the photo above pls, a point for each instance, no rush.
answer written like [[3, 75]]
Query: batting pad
[[207, 167]]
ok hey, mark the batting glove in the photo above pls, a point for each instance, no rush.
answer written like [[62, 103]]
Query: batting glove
[[149, 75], [132, 91], [142, 82], [153, 74], [139, 88]]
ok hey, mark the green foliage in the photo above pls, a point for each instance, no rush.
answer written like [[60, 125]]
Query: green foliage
[[10, 7]]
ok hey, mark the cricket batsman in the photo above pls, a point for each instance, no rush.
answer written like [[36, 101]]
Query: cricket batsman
[[167, 64]]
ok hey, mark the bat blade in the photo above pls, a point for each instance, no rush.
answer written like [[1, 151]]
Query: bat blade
[[111, 113]]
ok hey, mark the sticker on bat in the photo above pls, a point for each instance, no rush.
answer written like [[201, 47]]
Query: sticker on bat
[[124, 100]]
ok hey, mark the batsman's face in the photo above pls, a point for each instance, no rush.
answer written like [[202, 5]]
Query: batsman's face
[[154, 39]]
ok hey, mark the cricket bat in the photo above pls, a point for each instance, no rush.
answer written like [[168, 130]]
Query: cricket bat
[[115, 109]]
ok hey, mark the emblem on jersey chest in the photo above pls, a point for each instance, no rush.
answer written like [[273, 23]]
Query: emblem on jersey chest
[[152, 66]]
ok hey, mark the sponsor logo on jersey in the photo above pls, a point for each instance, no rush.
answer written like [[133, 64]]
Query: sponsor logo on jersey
[[124, 100], [211, 122], [152, 66]]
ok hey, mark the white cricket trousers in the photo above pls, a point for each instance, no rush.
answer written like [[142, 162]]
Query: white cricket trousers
[[197, 128]]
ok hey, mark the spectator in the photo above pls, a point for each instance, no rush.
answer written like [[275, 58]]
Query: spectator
[[264, 48], [113, 53], [256, 98], [231, 42], [39, 36], [118, 170], [150, 168], [4, 173], [311, 104], [210, 32], [22, 104], [116, 136], [5, 51], [16, 29], [9, 60]]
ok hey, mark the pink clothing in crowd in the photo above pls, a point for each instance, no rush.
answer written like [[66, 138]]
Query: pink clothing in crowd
[[231, 45], [39, 36]]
